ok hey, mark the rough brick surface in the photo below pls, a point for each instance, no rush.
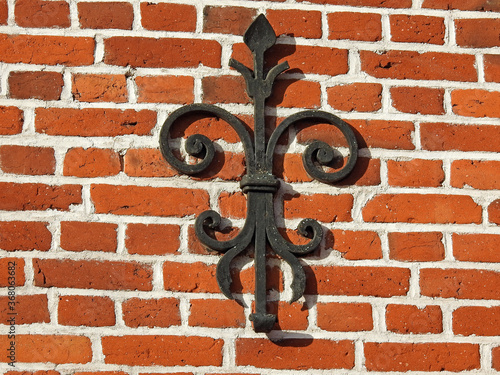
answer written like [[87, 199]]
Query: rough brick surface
[[424, 100], [11, 120], [206, 313], [296, 23], [227, 20], [165, 89], [494, 212], [92, 162], [29, 308], [478, 32], [150, 239], [476, 247], [35, 85], [81, 236], [412, 319], [355, 26], [86, 311], [492, 68], [359, 97], [27, 160], [168, 17], [29, 13], [479, 5], [106, 15], [99, 88], [415, 173], [476, 103], [417, 29], [447, 137], [24, 235], [163, 312], [483, 175], [477, 320], [345, 317], [416, 247]]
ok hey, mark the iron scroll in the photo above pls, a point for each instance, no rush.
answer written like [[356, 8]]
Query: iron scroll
[[259, 184]]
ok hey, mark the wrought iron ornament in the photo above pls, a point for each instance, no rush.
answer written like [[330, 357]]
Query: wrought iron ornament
[[259, 184]]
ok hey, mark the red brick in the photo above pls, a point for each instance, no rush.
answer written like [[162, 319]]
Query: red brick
[[417, 29], [358, 97], [149, 239], [91, 274], [168, 17], [35, 85], [24, 235], [369, 133], [49, 50], [422, 208], [29, 13], [232, 205], [477, 320], [447, 137], [424, 100], [162, 312], [477, 174], [11, 120], [94, 122], [412, 319], [476, 103], [207, 313], [162, 350], [11, 268], [295, 23], [494, 212], [148, 201], [4, 12], [40, 372], [460, 283], [416, 247], [27, 160], [224, 89], [80, 236], [91, 162], [303, 59], [190, 277], [37, 197], [476, 247], [58, 349], [358, 281], [322, 207], [295, 354], [165, 89], [99, 373], [244, 280], [495, 353], [29, 309], [480, 5], [227, 20], [355, 26], [421, 356], [478, 32], [106, 15], [354, 245], [491, 68], [415, 65], [415, 173], [139, 52], [295, 93], [366, 3], [90, 311], [289, 316], [345, 317], [100, 88]]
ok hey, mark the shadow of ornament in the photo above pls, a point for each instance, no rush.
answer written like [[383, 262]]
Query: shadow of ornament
[[259, 184]]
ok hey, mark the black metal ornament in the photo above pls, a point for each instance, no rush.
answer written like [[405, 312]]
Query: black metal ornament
[[259, 184]]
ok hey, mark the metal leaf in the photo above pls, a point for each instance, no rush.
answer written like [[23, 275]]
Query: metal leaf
[[260, 34]]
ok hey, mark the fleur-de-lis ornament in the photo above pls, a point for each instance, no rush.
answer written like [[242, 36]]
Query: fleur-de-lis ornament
[[259, 184]]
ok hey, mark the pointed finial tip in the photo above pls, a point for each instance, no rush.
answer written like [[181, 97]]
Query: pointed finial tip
[[260, 34]]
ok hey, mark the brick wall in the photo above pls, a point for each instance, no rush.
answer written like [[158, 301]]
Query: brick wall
[[98, 229]]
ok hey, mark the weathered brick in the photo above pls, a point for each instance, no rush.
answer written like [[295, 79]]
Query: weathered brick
[[295, 23], [90, 311], [424, 100], [227, 20], [416, 247], [29, 309], [168, 17], [148, 201], [37, 197], [366, 3], [417, 29], [415, 65], [11, 120], [295, 353], [422, 208], [354, 245], [162, 350], [4, 12], [460, 283], [162, 312], [476, 247], [415, 173], [322, 207], [105, 15], [58, 349], [495, 353], [358, 97], [24, 235], [412, 319], [91, 162], [190, 277], [477, 174], [289, 316], [477, 320], [149, 239], [345, 317], [476, 103], [479, 5], [358, 281], [94, 122], [12, 272], [89, 274], [35, 85], [165, 89], [447, 137], [141, 52], [29, 13], [99, 88], [81, 236], [355, 26], [45, 49], [494, 212], [492, 68], [27, 160], [206, 313], [478, 32], [421, 356]]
